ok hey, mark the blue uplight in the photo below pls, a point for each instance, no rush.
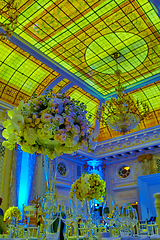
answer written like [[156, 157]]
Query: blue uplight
[[25, 171], [95, 166], [24, 185]]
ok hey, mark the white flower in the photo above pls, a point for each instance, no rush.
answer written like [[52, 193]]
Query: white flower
[[13, 138], [5, 134], [6, 123], [70, 142], [44, 133], [29, 148], [21, 105], [11, 113], [8, 145], [18, 119], [46, 118], [58, 118], [13, 128], [30, 135]]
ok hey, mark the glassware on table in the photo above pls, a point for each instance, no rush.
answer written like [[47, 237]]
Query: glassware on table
[[133, 220], [111, 218], [50, 202], [83, 217], [128, 219], [124, 220], [71, 217]]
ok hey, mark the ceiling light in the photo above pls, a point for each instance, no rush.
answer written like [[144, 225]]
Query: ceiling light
[[122, 113]]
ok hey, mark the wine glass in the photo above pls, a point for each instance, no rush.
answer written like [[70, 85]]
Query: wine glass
[[135, 218], [124, 220], [110, 218], [67, 216]]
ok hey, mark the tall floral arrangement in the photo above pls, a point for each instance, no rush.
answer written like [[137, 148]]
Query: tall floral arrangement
[[48, 124], [12, 212], [88, 186]]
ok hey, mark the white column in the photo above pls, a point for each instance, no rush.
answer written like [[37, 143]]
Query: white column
[[157, 205]]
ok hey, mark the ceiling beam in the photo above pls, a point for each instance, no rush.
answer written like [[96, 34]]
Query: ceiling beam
[[68, 86], [53, 84]]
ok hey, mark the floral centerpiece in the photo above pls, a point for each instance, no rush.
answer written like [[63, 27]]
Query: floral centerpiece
[[88, 186], [48, 124], [12, 212]]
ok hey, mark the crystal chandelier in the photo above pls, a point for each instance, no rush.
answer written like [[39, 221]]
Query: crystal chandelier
[[122, 113], [9, 10]]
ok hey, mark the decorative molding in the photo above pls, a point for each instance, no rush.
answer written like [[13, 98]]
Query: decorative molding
[[132, 194], [125, 187], [141, 139]]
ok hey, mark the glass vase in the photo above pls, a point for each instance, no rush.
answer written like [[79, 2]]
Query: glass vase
[[49, 205], [87, 217]]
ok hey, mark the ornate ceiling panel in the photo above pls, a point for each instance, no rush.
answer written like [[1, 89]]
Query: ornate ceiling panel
[[21, 74], [82, 36], [63, 83]]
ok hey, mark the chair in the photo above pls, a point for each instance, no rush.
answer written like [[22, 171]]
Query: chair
[[33, 232], [142, 228], [150, 227], [29, 211]]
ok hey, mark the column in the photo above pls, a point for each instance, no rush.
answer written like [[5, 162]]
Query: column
[[6, 178], [157, 205]]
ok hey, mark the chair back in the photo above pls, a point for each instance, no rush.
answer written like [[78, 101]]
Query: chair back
[[33, 232], [142, 228]]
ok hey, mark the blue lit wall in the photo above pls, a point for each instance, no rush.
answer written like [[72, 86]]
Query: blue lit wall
[[24, 177], [95, 166]]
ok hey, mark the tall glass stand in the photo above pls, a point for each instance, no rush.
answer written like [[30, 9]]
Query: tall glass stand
[[50, 204]]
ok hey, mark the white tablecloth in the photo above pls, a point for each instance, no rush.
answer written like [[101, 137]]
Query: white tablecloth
[[111, 238], [19, 238]]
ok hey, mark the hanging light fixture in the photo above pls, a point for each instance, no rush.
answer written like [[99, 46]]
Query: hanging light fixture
[[9, 10], [122, 113]]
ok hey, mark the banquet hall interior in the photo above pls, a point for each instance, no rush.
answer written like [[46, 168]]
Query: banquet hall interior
[[95, 52]]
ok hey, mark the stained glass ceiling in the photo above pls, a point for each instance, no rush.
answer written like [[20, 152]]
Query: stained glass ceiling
[[21, 74], [82, 36]]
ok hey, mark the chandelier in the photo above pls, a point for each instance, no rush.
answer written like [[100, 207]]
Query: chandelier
[[122, 113], [9, 11]]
